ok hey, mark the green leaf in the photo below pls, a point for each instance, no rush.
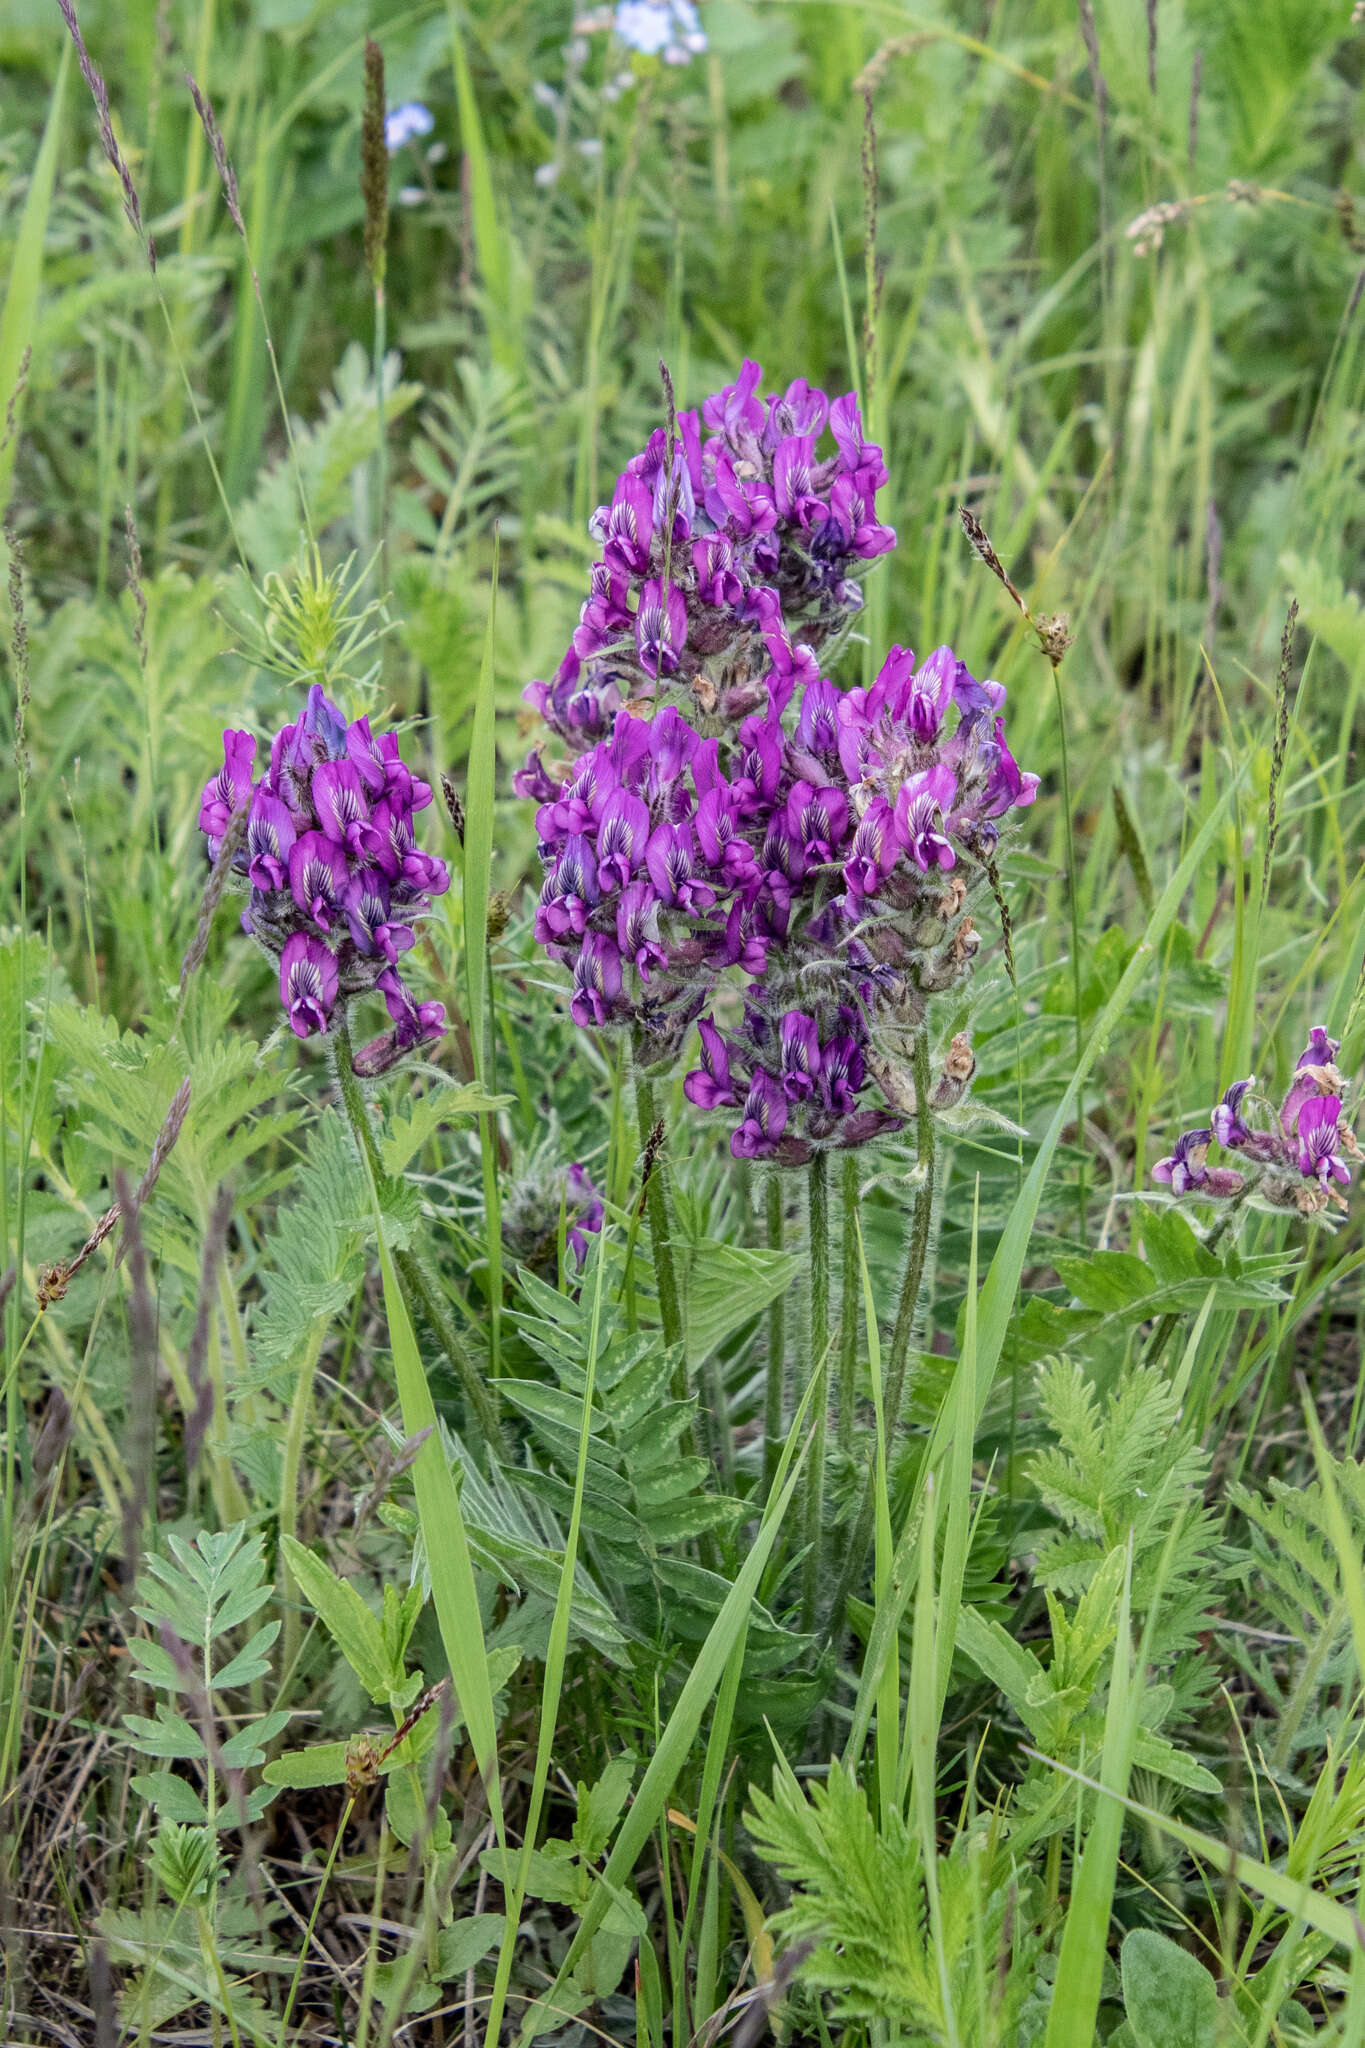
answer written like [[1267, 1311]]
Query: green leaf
[[726, 1286], [251, 1661], [304, 1770], [406, 1135], [168, 1735], [19, 318], [1171, 2000], [349, 1622], [172, 1797], [1001, 1285], [467, 1942]]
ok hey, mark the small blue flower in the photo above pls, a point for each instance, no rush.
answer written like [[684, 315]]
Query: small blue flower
[[404, 124], [670, 29]]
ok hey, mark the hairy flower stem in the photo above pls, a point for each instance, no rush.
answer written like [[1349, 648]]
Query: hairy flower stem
[[817, 1196], [417, 1286], [777, 1340], [848, 1308], [657, 1200]]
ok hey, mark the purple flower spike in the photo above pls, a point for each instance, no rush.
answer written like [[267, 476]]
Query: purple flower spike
[[660, 627], [317, 877], [799, 1044], [851, 506], [1318, 1137], [919, 817], [230, 788], [1226, 1118], [596, 981], [1320, 1050], [584, 1212], [765, 1119], [269, 836], [710, 1086], [568, 906], [308, 983], [1185, 1168]]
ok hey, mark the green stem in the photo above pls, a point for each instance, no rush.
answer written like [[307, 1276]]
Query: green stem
[[657, 1199], [313, 1916], [912, 1285], [777, 1341], [299, 1412], [1071, 880], [417, 1287], [848, 1308], [817, 1196]]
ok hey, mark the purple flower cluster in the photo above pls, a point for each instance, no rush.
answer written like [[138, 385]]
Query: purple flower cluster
[[718, 547], [785, 833], [1295, 1160], [335, 873]]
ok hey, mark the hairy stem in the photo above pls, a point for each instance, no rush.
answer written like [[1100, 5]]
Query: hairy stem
[[774, 1390], [417, 1285], [817, 1196], [848, 1308]]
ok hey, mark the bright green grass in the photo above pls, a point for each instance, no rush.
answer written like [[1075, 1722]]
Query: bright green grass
[[1095, 1684]]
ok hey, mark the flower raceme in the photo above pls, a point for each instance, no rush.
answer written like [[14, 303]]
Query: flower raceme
[[1295, 1159], [717, 549], [336, 877], [723, 810]]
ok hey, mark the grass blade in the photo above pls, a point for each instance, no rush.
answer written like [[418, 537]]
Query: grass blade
[[20, 315]]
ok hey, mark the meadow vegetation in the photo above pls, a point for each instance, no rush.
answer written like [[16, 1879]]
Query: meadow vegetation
[[483, 1557]]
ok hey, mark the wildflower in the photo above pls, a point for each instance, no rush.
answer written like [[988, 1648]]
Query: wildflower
[[764, 1120], [405, 123], [334, 874], [585, 1211], [1226, 1118], [1297, 1161], [1185, 1167], [1318, 1137], [670, 29]]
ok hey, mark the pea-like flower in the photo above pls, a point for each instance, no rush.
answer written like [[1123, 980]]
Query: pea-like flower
[[1295, 1159], [335, 877]]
